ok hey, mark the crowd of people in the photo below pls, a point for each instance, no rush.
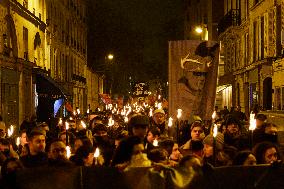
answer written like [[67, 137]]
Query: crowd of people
[[143, 141]]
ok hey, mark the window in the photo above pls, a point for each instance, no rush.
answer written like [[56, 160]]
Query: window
[[25, 40], [25, 4], [5, 40], [262, 38], [255, 41]]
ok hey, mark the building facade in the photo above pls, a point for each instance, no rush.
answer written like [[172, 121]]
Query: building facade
[[22, 39], [251, 34], [43, 58]]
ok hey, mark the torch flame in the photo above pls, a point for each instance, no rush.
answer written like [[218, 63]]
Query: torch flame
[[66, 125], [215, 130], [110, 122], [170, 122], [83, 124], [97, 153], [151, 112], [10, 131], [78, 111], [155, 143], [88, 111], [160, 106], [214, 115], [18, 141], [68, 151], [179, 113], [126, 119], [60, 121], [252, 122]]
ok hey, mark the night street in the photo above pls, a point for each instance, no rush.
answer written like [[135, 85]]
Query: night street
[[138, 94]]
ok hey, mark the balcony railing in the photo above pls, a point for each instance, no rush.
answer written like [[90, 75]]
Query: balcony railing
[[232, 18]]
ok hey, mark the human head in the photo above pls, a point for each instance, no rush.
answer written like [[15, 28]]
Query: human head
[[44, 126], [158, 155], [190, 161], [99, 130], [81, 141], [96, 120], [270, 128], [172, 148], [266, 152], [23, 137], [127, 147], [152, 134], [57, 150], [2, 130], [245, 158], [85, 155], [196, 131], [71, 137], [10, 165], [139, 125], [159, 116], [209, 142], [36, 141], [260, 119], [5, 146], [232, 126]]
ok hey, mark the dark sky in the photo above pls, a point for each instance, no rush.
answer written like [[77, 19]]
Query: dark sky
[[137, 33]]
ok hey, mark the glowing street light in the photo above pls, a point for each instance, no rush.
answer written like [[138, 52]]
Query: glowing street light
[[110, 56], [198, 30]]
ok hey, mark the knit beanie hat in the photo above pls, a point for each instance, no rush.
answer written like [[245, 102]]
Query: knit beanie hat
[[219, 140]]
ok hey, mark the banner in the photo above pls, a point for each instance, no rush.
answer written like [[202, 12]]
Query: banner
[[106, 98], [193, 68]]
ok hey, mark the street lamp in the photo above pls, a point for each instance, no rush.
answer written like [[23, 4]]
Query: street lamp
[[110, 74], [110, 56], [202, 31], [198, 30]]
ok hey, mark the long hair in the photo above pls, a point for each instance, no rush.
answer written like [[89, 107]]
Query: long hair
[[260, 149]]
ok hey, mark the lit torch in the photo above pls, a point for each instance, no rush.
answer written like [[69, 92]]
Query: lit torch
[[252, 126], [60, 122], [68, 151], [179, 114], [151, 112], [66, 128], [110, 122], [215, 131], [18, 141], [96, 155], [214, 115], [78, 111], [160, 106], [155, 143], [252, 122], [10, 131], [170, 124], [126, 119], [83, 124]]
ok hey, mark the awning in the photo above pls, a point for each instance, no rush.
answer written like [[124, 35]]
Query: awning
[[47, 87]]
